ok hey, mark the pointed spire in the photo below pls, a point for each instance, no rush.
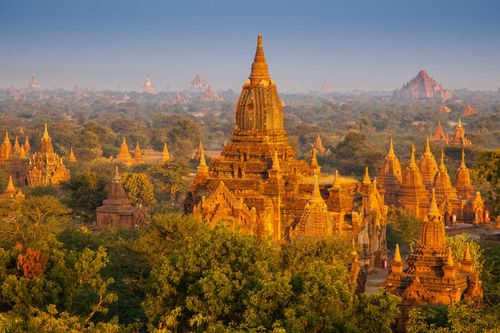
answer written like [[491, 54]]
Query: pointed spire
[[138, 154], [412, 157], [203, 161], [441, 163], [391, 149], [46, 132], [72, 157], [6, 140], [316, 194], [397, 255], [467, 255], [462, 163], [259, 66], [27, 145], [117, 177], [366, 178], [124, 154], [336, 180], [10, 187], [314, 159], [459, 122], [427, 147], [433, 208], [165, 156], [449, 259], [22, 153]]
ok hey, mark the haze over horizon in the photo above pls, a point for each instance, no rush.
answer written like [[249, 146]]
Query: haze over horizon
[[352, 44]]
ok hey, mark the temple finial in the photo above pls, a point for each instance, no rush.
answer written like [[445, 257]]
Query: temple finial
[[462, 164], [203, 161], [397, 255], [366, 178], [459, 122], [449, 259], [427, 146], [441, 164], [259, 65], [391, 148], [467, 255], [276, 161], [433, 208], [316, 195], [10, 186], [46, 132], [314, 159], [412, 158]]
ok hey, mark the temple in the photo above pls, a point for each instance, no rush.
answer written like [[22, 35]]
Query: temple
[[440, 135], [431, 274], [148, 87], [72, 157], [165, 155], [210, 95], [124, 156], [117, 210], [46, 167], [458, 138], [410, 190], [257, 186], [469, 110], [318, 145], [33, 84], [10, 192]]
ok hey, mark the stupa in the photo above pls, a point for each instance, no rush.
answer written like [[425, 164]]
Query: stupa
[[148, 87]]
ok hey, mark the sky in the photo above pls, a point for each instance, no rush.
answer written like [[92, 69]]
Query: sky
[[353, 44]]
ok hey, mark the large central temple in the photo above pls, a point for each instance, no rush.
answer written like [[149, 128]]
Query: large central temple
[[258, 186]]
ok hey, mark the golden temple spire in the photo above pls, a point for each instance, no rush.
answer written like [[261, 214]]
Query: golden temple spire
[[391, 149], [427, 147], [433, 208], [138, 154], [117, 178], [441, 163], [203, 161], [17, 146], [259, 66], [366, 178], [72, 157], [314, 159], [22, 153], [397, 255], [412, 157], [46, 132], [316, 194], [449, 259], [467, 255], [459, 122], [165, 156], [10, 187], [27, 145], [6, 140], [462, 163]]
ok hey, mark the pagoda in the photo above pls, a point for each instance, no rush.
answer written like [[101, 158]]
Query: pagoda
[[469, 110], [46, 167], [148, 87], [33, 84], [444, 109], [391, 176], [459, 138], [138, 159], [165, 155], [198, 83], [11, 192], [456, 202], [124, 155], [72, 157], [210, 95], [318, 145], [427, 166], [431, 274], [117, 210], [440, 135], [258, 187]]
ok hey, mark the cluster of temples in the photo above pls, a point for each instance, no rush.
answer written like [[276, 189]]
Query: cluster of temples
[[458, 138], [124, 157], [44, 167], [411, 189], [259, 187], [430, 273]]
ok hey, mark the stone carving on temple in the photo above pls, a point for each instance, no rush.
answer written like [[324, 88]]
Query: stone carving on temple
[[46, 167], [423, 87], [117, 210], [258, 186]]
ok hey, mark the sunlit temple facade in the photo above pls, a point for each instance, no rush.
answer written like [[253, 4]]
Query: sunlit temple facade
[[410, 189], [259, 187]]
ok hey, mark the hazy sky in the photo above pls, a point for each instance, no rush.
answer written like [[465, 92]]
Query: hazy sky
[[368, 45]]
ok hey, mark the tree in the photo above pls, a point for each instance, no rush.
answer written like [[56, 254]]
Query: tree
[[378, 310], [402, 228], [170, 177], [139, 189], [458, 244], [486, 175]]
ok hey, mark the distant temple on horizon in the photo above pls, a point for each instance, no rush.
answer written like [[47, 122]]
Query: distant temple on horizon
[[259, 187], [457, 139], [34, 85], [423, 87], [148, 87]]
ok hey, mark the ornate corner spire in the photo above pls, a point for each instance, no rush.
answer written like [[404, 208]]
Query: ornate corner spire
[[449, 259], [433, 208], [397, 255], [467, 255], [412, 157], [462, 163], [459, 122], [391, 149], [441, 163], [165, 156], [316, 194], [46, 132], [366, 178], [427, 147], [6, 139], [203, 161], [314, 159], [259, 66]]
